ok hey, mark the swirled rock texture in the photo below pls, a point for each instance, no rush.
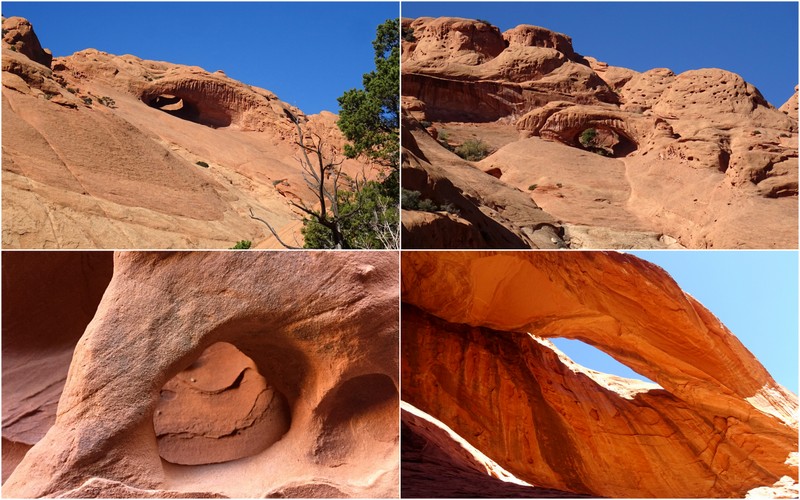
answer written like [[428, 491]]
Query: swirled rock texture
[[644, 160], [107, 151], [475, 356], [232, 364]]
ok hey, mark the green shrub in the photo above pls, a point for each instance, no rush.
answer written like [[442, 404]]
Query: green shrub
[[484, 21], [587, 137], [443, 137], [409, 199], [425, 123], [413, 200], [408, 35], [427, 205], [72, 90], [532, 187], [242, 245], [87, 101], [202, 164], [107, 101], [473, 150]]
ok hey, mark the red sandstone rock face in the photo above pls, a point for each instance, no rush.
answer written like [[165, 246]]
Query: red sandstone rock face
[[18, 33], [475, 358], [706, 162], [48, 299], [308, 393], [102, 151]]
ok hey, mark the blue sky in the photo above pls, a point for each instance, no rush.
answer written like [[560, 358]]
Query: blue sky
[[754, 293], [757, 40], [308, 53]]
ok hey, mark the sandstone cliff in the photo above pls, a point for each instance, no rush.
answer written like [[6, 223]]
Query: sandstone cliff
[[107, 151], [475, 356], [619, 159], [197, 372]]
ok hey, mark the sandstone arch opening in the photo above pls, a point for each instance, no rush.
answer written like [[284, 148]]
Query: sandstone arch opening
[[219, 409], [606, 141], [186, 109], [594, 359]]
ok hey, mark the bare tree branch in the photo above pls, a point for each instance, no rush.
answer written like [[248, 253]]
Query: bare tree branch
[[272, 230]]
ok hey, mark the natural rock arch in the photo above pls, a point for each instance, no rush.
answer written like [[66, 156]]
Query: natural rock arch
[[469, 361]]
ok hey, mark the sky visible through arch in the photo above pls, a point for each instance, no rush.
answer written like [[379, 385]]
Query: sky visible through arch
[[307, 53], [757, 40], [753, 293]]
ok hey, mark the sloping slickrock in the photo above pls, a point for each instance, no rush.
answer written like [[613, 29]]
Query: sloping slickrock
[[106, 151], [475, 357], [704, 159], [321, 328]]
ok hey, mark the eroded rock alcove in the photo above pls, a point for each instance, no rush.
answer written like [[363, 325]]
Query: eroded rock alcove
[[476, 357], [199, 371], [218, 409]]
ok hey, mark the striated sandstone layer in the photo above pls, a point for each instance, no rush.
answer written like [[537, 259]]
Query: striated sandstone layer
[[200, 371], [437, 463], [644, 160], [475, 356], [107, 151]]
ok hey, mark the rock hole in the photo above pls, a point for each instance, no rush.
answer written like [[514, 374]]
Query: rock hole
[[594, 359], [360, 410], [186, 109], [218, 409]]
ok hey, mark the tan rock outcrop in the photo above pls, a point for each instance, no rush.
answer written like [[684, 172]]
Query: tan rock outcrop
[[320, 329], [475, 357], [18, 33], [478, 202], [707, 161], [106, 151]]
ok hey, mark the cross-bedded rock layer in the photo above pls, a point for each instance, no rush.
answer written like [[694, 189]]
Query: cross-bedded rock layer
[[235, 362], [474, 357]]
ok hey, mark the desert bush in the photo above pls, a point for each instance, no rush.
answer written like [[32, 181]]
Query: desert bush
[[242, 245], [107, 101], [202, 164], [473, 150], [532, 187]]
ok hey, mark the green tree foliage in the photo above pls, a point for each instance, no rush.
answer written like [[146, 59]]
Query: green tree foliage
[[369, 216], [370, 220], [369, 117], [242, 245]]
